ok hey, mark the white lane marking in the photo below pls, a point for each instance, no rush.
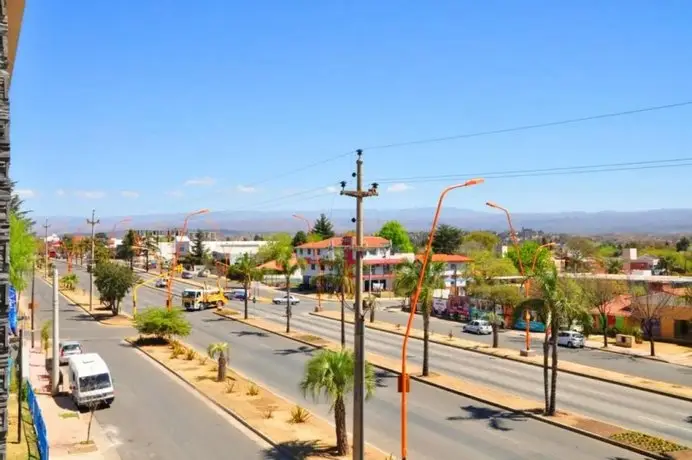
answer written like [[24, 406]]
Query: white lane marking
[[660, 422]]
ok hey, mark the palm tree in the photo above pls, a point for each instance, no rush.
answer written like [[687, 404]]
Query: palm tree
[[407, 274], [331, 373], [495, 320], [245, 270], [288, 266], [219, 351], [149, 245], [341, 278]]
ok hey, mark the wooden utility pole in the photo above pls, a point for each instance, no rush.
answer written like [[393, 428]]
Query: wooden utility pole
[[359, 327], [45, 247], [93, 222]]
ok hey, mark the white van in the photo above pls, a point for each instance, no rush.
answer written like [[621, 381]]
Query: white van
[[90, 380]]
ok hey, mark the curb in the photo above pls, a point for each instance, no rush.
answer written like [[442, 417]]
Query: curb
[[230, 412], [544, 419], [518, 360], [638, 356]]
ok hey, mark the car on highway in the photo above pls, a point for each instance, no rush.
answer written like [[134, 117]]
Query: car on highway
[[187, 275], [235, 294], [570, 339], [69, 348], [282, 300], [478, 326], [161, 283]]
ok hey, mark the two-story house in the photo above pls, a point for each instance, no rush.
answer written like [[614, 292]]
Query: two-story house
[[455, 269]]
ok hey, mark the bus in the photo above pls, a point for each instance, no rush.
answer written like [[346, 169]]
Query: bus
[[200, 299]]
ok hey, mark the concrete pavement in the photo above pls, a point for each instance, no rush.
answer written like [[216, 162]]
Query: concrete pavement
[[154, 416]]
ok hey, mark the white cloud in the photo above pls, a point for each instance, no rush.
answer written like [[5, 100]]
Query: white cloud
[[200, 182], [331, 189], [60, 192], [25, 193], [246, 189], [400, 187], [174, 193], [129, 194], [90, 194]]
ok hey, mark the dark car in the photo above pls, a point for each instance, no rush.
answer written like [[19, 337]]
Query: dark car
[[187, 275]]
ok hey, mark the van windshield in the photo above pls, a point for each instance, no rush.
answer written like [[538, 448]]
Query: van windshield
[[191, 294], [95, 382]]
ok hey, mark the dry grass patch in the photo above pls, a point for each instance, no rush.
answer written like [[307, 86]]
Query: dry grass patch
[[27, 448], [647, 442], [263, 410]]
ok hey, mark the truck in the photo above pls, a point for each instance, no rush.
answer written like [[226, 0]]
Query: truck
[[90, 380], [201, 299]]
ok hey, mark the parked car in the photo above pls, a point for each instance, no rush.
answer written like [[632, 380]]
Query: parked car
[[69, 348], [203, 273], [570, 339], [187, 275], [281, 300], [478, 326], [161, 283]]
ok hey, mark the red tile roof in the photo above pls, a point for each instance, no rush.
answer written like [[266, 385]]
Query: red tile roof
[[620, 306], [447, 258], [392, 261], [274, 266], [338, 242]]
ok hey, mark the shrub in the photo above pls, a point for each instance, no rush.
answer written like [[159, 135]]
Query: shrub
[[163, 323], [230, 387], [269, 412], [299, 415], [252, 390], [176, 352], [190, 354], [203, 360], [612, 332]]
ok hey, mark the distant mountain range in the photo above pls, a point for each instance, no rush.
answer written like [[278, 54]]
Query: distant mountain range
[[660, 221]]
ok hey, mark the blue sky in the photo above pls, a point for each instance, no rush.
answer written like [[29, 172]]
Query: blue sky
[[156, 107]]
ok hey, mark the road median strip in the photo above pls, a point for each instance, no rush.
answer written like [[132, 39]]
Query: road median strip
[[612, 434], [662, 388], [291, 430]]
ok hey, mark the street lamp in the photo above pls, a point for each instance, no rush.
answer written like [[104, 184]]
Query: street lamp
[[169, 300], [404, 378]]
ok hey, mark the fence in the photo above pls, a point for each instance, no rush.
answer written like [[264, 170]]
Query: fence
[[39, 424]]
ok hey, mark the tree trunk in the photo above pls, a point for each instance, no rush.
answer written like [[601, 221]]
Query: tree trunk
[[553, 375], [496, 337], [343, 318], [288, 304], [221, 372], [246, 287], [650, 332], [132, 263], [426, 341], [372, 312], [342, 447], [546, 387], [604, 325]]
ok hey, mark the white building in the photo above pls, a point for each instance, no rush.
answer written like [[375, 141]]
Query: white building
[[225, 251]]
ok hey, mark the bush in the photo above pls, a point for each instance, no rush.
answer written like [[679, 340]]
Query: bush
[[299, 415], [252, 390], [161, 322], [612, 332]]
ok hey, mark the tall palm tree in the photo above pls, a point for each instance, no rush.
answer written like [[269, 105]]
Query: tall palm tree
[[341, 278], [245, 270], [407, 274], [219, 351], [330, 373], [288, 266]]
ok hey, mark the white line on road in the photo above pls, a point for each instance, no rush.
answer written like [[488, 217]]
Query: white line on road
[[660, 422]]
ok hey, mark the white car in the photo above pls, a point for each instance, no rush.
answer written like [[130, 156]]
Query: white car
[[69, 348], [282, 300], [161, 283], [570, 339], [478, 326]]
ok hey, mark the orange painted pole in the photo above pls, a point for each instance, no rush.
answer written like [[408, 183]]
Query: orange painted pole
[[403, 378]]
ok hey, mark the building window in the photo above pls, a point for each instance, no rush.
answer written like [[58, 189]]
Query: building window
[[683, 329], [452, 266], [319, 251], [312, 266], [321, 267]]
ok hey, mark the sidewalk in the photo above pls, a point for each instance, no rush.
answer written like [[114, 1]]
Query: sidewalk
[[66, 427], [668, 352]]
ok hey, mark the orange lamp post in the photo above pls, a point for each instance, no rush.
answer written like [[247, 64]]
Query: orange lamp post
[[169, 299], [403, 384], [319, 266]]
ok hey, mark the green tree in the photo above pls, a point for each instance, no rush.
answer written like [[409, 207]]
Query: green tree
[[288, 267], [406, 279], [485, 266], [150, 247], [277, 245], [299, 238], [397, 235], [486, 240], [683, 244], [198, 253], [246, 271], [17, 206], [22, 251], [613, 266], [323, 227], [447, 239], [162, 323], [649, 306], [580, 249], [341, 279], [257, 237], [113, 282], [331, 373], [126, 250], [219, 351], [530, 251], [600, 294]]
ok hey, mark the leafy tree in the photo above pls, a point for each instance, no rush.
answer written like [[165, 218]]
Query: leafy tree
[[126, 250], [113, 282], [219, 351], [299, 238], [323, 227], [486, 240], [606, 251], [22, 251], [257, 238], [149, 246], [613, 266], [17, 205], [447, 239], [580, 249], [288, 266], [331, 373], [683, 244], [600, 294], [69, 282], [649, 306], [530, 252], [397, 235], [162, 323], [485, 266], [101, 237], [278, 245], [198, 253], [245, 270], [407, 274], [341, 279]]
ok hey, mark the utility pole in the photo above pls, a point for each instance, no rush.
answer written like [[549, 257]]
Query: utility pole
[[55, 365], [45, 247], [93, 222], [359, 327]]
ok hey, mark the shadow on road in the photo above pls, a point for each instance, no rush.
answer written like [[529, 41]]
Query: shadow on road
[[214, 320], [299, 450], [689, 419], [294, 351], [496, 418], [382, 376], [251, 334]]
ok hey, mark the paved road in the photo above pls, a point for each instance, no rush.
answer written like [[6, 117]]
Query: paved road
[[154, 416]]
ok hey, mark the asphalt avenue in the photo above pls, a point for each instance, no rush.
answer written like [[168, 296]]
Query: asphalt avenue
[[154, 416]]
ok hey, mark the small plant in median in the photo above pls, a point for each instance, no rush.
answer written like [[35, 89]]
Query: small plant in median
[[69, 282], [299, 415], [219, 351], [45, 335], [230, 387], [252, 390], [162, 323], [190, 354]]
